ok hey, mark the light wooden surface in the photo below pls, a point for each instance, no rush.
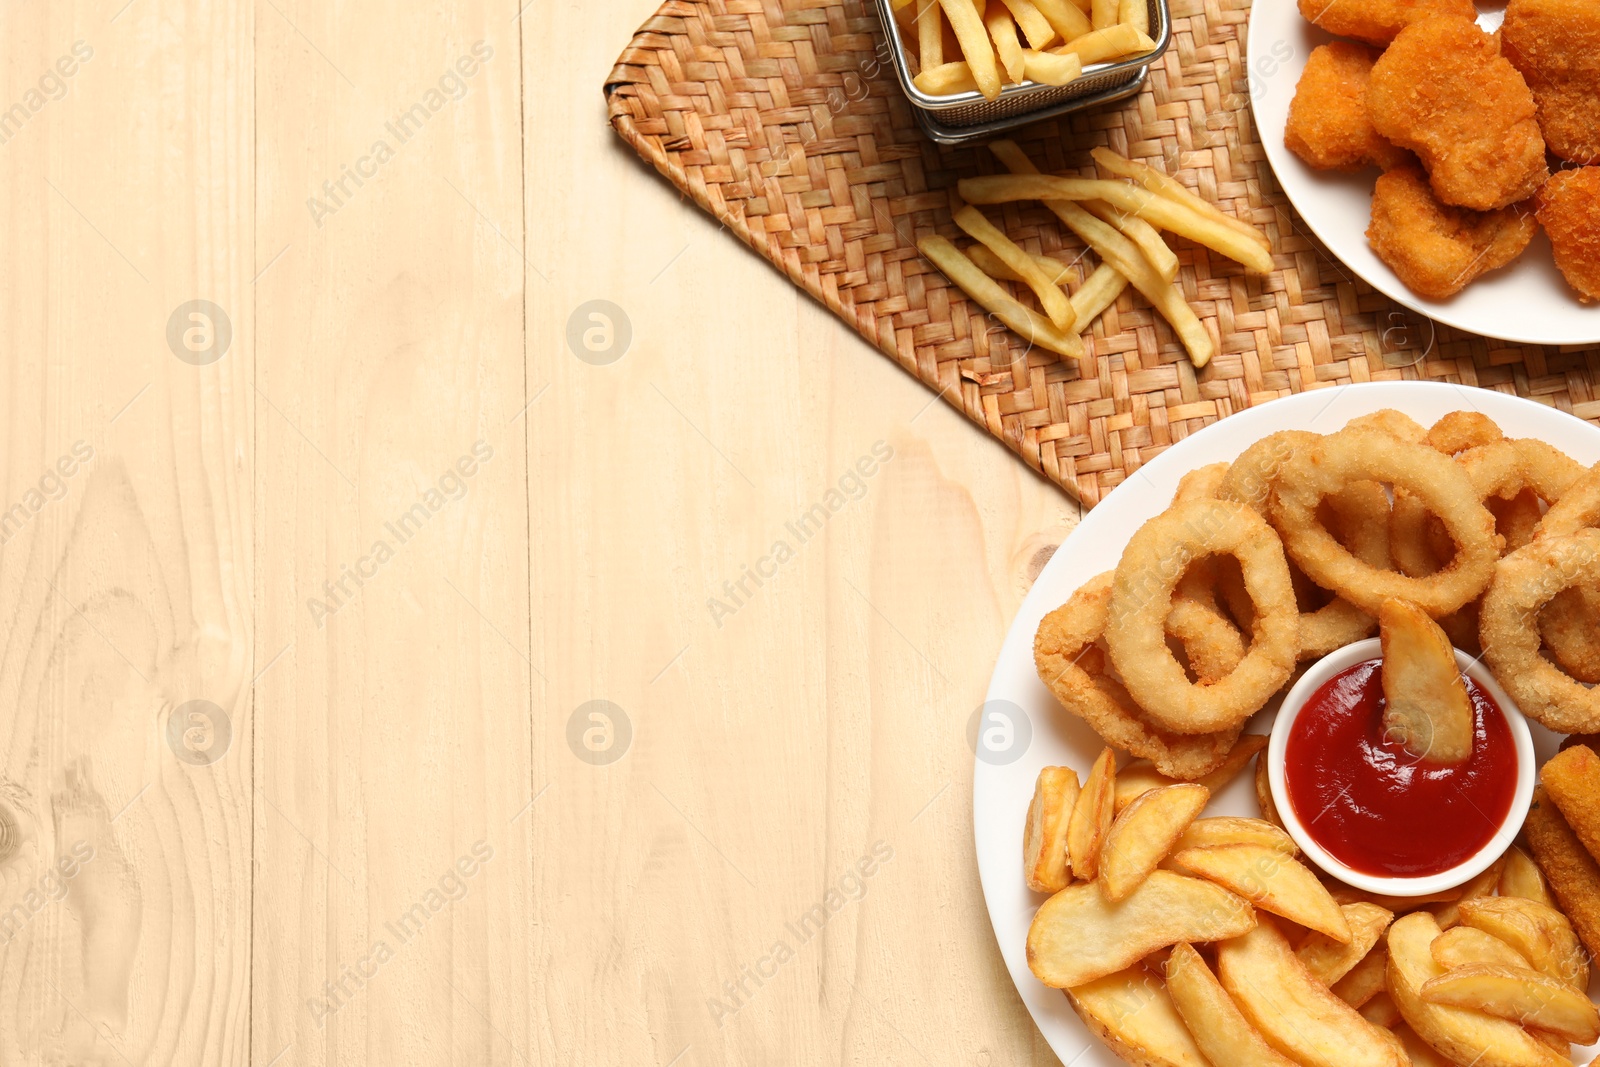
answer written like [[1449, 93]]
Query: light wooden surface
[[399, 538]]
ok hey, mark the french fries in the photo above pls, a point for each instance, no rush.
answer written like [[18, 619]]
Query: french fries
[[1144, 833], [1141, 233], [1136, 13], [1116, 41], [1448, 913], [1297, 1014], [1092, 816], [1048, 68], [1065, 17], [946, 78], [1523, 996], [1078, 936], [1157, 182], [1426, 706], [1460, 1034], [1154, 208], [1466, 947], [1031, 325], [1330, 960], [930, 40], [1044, 841], [1131, 1012], [1542, 934], [1051, 296], [1121, 253], [975, 44], [1271, 881], [1106, 12], [1219, 1028], [1035, 27], [1229, 830], [1003, 32]]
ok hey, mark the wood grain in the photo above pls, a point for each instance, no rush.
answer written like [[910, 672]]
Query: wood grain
[[418, 844]]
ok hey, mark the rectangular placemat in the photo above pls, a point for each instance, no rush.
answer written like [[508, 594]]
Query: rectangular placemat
[[783, 121]]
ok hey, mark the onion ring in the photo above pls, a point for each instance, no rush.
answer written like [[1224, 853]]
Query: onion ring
[[1571, 633], [1202, 483], [1073, 667], [1250, 481], [1578, 510], [1436, 480], [1461, 430], [1524, 583], [1211, 643], [1154, 561], [1392, 422]]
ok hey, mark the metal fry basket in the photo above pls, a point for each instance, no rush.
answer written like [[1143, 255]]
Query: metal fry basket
[[963, 117]]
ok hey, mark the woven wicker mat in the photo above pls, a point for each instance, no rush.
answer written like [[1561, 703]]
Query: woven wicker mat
[[779, 118]]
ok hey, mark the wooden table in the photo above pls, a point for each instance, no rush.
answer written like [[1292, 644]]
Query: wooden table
[[330, 510]]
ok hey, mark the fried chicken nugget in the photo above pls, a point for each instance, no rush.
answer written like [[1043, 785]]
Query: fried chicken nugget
[[1569, 210], [1328, 124], [1379, 21], [1444, 91], [1436, 249], [1556, 46], [1573, 875]]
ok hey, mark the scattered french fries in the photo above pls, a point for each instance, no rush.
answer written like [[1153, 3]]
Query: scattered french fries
[[1119, 218]]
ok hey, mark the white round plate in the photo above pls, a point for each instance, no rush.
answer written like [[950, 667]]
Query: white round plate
[[1024, 725], [1528, 301]]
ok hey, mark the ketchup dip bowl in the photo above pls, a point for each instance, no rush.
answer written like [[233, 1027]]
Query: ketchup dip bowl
[[1307, 687]]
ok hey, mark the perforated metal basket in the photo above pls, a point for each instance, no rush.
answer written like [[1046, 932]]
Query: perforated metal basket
[[963, 117]]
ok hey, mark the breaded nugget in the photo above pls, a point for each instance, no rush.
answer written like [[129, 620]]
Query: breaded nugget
[[1436, 249], [1379, 21], [1328, 125], [1443, 91], [1556, 46], [1569, 210], [1572, 778], [1573, 875]]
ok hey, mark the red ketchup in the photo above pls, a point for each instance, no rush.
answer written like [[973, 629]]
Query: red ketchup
[[1376, 807]]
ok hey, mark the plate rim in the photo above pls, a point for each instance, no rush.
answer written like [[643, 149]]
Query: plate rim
[[1388, 283], [1054, 1019]]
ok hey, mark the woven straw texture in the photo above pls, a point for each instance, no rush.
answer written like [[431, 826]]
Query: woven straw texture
[[780, 118]]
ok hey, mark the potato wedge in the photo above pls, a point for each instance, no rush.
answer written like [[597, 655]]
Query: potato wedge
[[1448, 913], [1524, 996], [1131, 1012], [1271, 881], [1269, 808], [1347, 894], [1426, 704], [1465, 946], [1044, 840], [1224, 1035], [1144, 833], [1380, 1010], [1136, 779], [1539, 932], [1092, 815], [1521, 878], [1078, 936], [1461, 1035], [1422, 1054], [1331, 960], [1297, 1014], [1365, 980], [1231, 830]]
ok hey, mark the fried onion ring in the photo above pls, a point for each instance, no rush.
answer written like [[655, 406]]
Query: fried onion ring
[[1202, 483], [1073, 667], [1578, 510], [1392, 422], [1461, 430], [1570, 627], [1524, 583], [1442, 486], [1154, 561]]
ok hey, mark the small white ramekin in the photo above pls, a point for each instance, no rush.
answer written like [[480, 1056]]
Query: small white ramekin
[[1527, 771]]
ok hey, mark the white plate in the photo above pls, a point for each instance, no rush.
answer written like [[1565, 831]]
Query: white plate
[[1044, 735], [1528, 301]]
